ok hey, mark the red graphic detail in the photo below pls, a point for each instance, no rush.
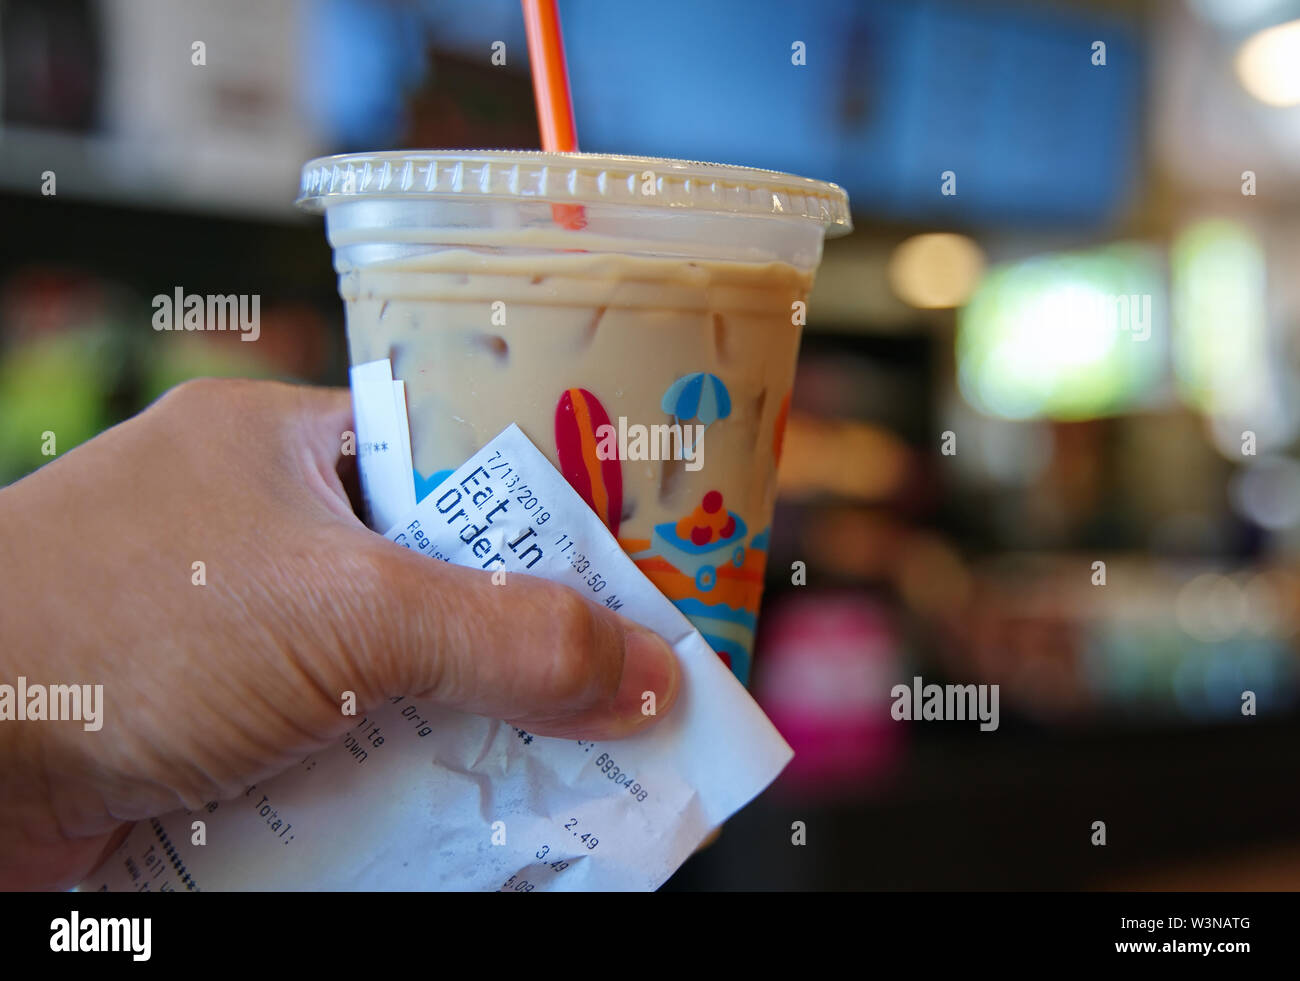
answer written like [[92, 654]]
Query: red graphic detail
[[578, 419], [709, 522]]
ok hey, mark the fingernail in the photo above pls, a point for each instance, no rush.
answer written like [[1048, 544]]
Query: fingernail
[[651, 676]]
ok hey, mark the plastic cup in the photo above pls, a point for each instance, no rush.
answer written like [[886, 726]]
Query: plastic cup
[[649, 355]]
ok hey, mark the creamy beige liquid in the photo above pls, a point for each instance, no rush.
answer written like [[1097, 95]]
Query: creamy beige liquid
[[484, 339]]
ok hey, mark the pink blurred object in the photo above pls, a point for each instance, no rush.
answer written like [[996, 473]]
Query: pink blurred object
[[825, 666]]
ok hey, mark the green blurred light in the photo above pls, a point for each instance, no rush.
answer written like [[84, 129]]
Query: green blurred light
[[55, 383], [1220, 348], [1059, 336], [180, 361]]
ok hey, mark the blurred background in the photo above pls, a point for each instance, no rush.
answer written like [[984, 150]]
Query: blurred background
[[1046, 430]]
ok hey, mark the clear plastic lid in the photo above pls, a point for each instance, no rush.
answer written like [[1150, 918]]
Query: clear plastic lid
[[574, 178]]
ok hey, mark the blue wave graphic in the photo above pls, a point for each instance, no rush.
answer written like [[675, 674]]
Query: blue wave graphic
[[715, 611], [424, 486]]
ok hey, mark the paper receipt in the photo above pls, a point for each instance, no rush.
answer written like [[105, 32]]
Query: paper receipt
[[414, 797]]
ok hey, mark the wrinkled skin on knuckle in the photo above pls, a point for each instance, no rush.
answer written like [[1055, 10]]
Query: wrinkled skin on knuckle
[[275, 676], [334, 631], [393, 617], [257, 688]]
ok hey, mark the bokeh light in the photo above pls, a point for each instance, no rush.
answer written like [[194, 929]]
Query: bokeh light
[[1268, 65], [936, 270], [1069, 336]]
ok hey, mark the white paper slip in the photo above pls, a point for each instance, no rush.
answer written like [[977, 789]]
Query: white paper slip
[[404, 436], [415, 797], [383, 449]]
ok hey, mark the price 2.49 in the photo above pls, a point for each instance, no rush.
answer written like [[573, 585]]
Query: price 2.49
[[586, 837]]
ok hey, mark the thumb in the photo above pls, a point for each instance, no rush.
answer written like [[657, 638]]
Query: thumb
[[526, 650]]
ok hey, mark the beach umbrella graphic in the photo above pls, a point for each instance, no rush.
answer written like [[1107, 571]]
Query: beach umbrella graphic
[[700, 397]]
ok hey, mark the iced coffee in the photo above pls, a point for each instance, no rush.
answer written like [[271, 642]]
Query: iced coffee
[[651, 366]]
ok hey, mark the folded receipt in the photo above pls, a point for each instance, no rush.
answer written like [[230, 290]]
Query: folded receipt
[[415, 797]]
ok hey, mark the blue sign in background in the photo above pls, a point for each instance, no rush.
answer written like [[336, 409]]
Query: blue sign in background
[[891, 96]]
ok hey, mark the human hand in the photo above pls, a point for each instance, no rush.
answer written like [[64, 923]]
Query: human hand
[[210, 688]]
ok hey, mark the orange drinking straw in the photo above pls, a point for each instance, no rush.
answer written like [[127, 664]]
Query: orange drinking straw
[[550, 76], [551, 89]]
